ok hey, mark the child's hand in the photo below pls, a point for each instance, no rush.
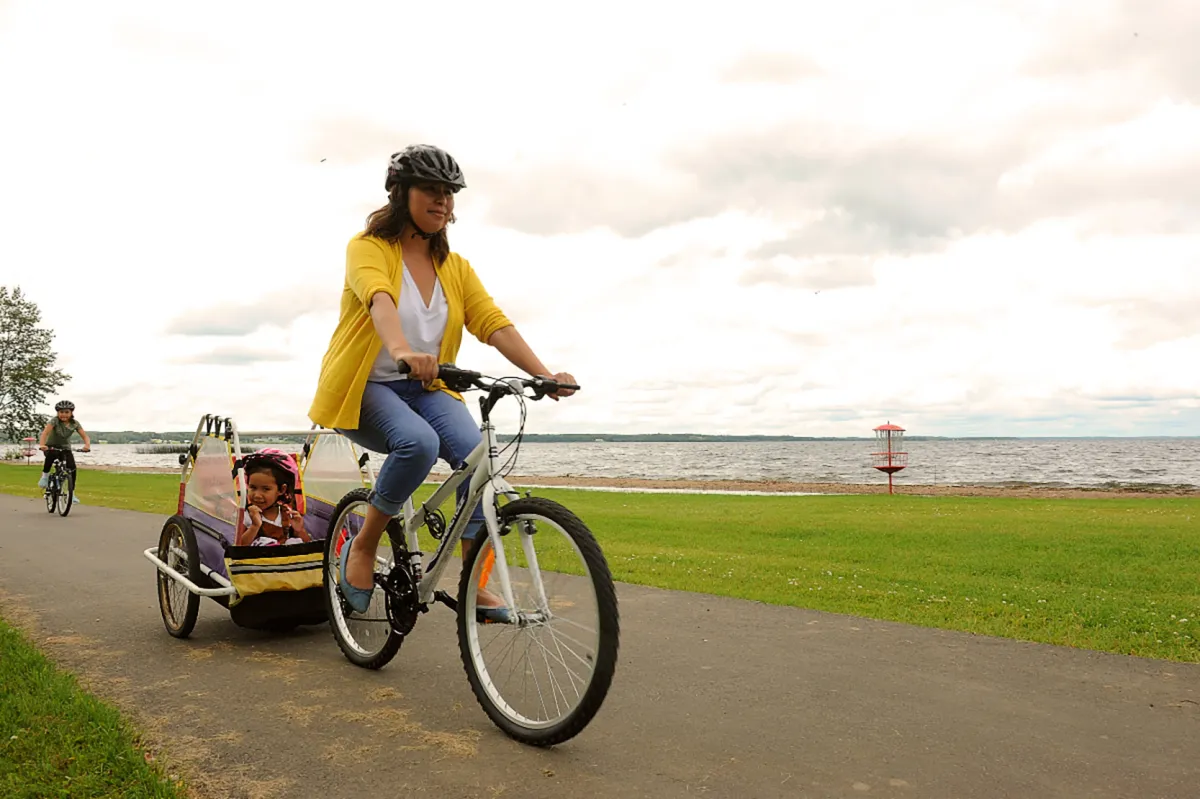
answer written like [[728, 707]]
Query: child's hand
[[295, 520], [255, 517]]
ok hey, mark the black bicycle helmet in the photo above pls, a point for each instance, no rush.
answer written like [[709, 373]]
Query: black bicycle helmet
[[421, 162], [64, 405]]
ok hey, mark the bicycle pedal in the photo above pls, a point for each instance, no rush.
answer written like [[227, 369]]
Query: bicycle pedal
[[446, 599]]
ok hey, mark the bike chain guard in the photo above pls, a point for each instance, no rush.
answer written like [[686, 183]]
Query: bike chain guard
[[400, 594]]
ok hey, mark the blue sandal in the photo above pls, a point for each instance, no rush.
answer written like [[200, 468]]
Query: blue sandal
[[496, 615], [359, 599]]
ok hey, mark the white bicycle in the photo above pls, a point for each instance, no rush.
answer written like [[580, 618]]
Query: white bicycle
[[542, 675]]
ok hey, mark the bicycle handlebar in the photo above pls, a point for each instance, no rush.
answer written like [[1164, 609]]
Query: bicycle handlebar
[[462, 379]]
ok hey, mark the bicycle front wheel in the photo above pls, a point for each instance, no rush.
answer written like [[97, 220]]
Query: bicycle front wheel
[[66, 494], [542, 674], [51, 494]]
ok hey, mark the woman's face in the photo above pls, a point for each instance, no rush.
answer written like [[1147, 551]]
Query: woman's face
[[431, 205]]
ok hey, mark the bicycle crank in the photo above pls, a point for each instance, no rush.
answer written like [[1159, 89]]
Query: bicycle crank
[[400, 592]]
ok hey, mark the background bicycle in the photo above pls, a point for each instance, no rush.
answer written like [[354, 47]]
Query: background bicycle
[[60, 484]]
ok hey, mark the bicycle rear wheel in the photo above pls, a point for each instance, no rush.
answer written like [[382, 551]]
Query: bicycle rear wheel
[[542, 676], [51, 493], [366, 639], [66, 494]]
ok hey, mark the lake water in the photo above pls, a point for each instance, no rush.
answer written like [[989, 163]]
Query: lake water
[[1046, 461]]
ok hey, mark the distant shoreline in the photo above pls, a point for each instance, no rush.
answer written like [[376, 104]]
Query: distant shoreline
[[135, 437], [633, 484]]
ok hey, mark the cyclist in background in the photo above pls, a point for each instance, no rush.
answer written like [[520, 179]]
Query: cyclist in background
[[55, 440]]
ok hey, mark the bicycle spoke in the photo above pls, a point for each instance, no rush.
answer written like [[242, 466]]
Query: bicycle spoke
[[509, 650], [554, 689], [537, 683], [560, 634], [573, 623], [562, 660], [571, 676]]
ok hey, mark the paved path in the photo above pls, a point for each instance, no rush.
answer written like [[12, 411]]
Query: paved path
[[713, 697]]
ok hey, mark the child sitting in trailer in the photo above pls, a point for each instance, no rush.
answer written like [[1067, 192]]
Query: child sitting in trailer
[[272, 519]]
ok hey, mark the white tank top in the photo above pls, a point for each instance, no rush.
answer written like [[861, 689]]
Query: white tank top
[[423, 326]]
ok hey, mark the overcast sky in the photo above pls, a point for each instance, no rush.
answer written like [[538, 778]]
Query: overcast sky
[[806, 218]]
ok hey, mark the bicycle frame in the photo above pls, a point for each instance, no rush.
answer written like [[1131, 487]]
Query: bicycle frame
[[59, 468], [485, 486]]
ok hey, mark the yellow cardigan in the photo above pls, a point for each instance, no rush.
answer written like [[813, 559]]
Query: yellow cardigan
[[374, 265]]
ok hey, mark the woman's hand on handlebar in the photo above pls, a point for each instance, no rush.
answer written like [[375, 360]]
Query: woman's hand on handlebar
[[43, 447], [562, 377], [421, 366]]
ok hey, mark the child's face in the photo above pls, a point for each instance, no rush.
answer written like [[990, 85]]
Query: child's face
[[262, 490], [64, 416]]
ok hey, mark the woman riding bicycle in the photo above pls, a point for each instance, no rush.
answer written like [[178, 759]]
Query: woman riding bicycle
[[406, 299], [55, 440]]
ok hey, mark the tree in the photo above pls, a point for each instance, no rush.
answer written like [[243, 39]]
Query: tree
[[27, 372]]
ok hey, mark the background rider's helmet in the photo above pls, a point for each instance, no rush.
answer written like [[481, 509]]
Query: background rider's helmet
[[64, 405], [424, 162]]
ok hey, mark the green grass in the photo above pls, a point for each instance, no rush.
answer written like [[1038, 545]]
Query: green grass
[[1118, 575], [1106, 574], [57, 741], [152, 493]]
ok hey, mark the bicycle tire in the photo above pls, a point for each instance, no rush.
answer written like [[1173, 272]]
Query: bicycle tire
[[51, 493], [69, 494], [608, 631], [179, 529], [334, 604]]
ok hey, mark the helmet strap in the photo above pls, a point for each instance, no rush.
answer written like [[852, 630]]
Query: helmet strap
[[418, 232]]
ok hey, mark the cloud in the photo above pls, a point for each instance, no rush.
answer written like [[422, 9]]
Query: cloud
[[901, 189], [354, 141], [802, 339], [842, 190], [1006, 199], [541, 200], [835, 273], [1147, 322], [279, 309], [836, 232], [161, 42], [1166, 395], [691, 255], [112, 396], [234, 356], [770, 67], [1148, 43]]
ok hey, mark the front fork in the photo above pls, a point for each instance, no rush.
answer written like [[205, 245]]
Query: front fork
[[525, 532]]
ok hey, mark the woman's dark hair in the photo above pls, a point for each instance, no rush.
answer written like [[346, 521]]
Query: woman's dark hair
[[388, 223]]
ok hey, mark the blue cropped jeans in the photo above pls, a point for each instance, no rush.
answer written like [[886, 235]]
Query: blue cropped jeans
[[414, 427]]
